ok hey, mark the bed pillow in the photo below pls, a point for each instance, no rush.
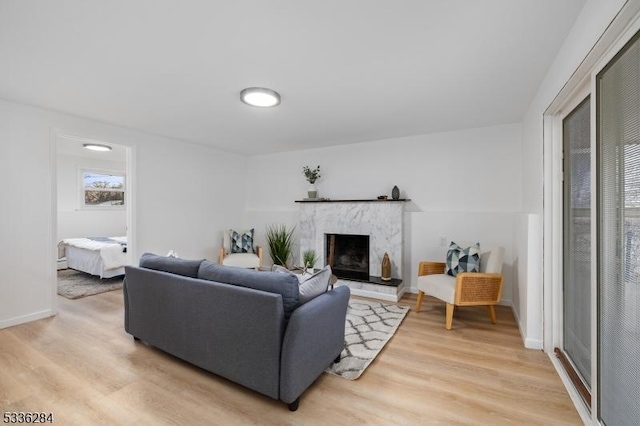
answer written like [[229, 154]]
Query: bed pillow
[[311, 285], [241, 242], [174, 265], [462, 259]]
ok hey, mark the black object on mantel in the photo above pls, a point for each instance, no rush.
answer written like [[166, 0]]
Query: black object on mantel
[[395, 193], [372, 200]]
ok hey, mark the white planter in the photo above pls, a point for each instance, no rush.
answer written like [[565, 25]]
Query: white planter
[[312, 192]]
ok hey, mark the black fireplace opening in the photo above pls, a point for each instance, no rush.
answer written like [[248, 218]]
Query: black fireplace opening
[[348, 256]]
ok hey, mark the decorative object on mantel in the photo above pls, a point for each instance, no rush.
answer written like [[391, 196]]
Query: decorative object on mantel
[[395, 193], [382, 197], [280, 241], [386, 268], [312, 176]]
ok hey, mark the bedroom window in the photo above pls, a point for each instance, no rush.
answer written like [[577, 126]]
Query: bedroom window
[[104, 189]]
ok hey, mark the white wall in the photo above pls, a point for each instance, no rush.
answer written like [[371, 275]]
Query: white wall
[[591, 23], [75, 222], [463, 185], [182, 196]]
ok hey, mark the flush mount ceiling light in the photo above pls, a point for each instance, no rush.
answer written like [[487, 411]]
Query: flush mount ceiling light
[[260, 97], [96, 147]]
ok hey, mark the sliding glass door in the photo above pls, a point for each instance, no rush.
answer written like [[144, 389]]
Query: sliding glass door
[[576, 341], [618, 232]]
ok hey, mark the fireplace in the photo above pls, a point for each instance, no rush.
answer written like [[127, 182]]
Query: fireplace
[[348, 255]]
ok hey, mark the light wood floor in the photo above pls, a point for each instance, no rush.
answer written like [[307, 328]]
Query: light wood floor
[[84, 368]]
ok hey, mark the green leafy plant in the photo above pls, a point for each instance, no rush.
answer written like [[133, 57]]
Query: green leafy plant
[[309, 258], [312, 175], [280, 241]]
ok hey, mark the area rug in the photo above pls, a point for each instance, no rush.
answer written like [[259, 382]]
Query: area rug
[[74, 284], [369, 326]]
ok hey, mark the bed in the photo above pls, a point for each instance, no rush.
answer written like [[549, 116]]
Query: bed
[[104, 257]]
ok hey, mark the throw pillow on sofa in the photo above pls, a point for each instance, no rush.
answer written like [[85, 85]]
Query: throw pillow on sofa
[[462, 259], [311, 286]]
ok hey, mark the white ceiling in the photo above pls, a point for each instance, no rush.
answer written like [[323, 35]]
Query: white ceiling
[[348, 70], [69, 145]]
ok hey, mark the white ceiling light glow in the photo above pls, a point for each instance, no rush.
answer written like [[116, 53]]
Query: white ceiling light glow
[[260, 97], [96, 147]]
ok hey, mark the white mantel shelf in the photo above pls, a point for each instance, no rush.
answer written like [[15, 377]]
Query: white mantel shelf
[[373, 200]]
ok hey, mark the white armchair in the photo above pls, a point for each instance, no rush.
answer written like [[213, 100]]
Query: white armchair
[[467, 288], [243, 260]]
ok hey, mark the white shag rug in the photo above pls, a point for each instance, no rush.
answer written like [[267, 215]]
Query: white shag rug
[[369, 326]]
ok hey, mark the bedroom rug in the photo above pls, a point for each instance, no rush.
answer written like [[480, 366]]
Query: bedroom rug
[[74, 284], [369, 326]]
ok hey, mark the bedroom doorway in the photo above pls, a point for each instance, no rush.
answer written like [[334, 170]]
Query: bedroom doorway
[[92, 205]]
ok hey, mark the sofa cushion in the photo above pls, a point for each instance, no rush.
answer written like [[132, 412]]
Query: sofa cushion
[[311, 285], [242, 260], [462, 259], [241, 242], [184, 267], [286, 286]]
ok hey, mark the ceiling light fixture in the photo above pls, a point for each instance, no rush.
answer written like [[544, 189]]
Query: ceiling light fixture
[[260, 97], [96, 147]]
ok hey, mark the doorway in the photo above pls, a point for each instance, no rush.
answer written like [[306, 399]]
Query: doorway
[[92, 198]]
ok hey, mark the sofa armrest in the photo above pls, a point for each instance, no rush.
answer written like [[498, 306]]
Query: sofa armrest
[[314, 338]]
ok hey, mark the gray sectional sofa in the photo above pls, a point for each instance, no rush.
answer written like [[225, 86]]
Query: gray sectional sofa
[[245, 325]]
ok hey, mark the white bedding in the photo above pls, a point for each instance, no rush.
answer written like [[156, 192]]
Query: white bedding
[[101, 258]]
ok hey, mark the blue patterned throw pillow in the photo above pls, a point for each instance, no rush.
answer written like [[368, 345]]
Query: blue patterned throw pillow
[[241, 242], [462, 259]]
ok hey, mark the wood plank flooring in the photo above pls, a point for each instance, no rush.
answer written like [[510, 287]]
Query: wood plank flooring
[[82, 367]]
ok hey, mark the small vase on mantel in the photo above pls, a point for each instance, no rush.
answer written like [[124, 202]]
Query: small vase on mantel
[[386, 268], [312, 192], [395, 193]]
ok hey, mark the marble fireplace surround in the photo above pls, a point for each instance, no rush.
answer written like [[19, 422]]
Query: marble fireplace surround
[[382, 220]]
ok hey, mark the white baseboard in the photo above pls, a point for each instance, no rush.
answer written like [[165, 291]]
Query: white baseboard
[[529, 343], [10, 322]]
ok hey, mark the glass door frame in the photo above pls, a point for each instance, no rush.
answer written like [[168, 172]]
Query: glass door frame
[[580, 85]]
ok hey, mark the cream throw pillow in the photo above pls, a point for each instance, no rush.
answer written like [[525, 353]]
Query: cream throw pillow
[[311, 286]]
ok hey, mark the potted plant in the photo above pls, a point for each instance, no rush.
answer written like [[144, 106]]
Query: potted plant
[[280, 241], [312, 176], [309, 259]]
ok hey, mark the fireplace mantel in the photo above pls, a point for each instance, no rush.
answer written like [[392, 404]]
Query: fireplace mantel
[[382, 220], [372, 200]]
